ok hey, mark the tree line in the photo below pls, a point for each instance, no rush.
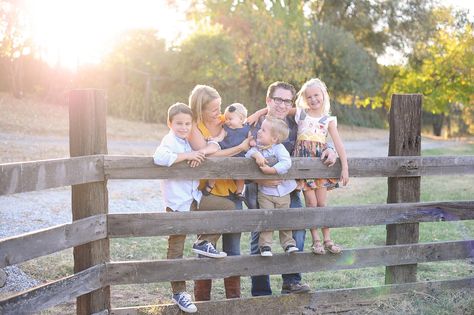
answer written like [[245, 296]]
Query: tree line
[[239, 47]]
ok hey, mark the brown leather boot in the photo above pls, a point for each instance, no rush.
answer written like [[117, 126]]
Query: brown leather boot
[[232, 287], [202, 290]]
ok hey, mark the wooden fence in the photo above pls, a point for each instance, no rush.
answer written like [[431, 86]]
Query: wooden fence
[[89, 169]]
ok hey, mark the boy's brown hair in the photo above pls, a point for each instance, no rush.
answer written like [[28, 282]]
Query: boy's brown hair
[[178, 108]]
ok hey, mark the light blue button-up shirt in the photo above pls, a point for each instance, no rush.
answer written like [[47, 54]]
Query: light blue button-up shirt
[[178, 194], [279, 152]]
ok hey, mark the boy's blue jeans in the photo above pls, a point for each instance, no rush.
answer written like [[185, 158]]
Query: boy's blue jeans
[[261, 284]]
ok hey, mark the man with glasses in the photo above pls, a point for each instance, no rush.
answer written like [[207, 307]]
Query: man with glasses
[[279, 101]]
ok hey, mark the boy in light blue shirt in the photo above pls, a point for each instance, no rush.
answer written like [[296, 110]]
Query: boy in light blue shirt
[[269, 137], [180, 194]]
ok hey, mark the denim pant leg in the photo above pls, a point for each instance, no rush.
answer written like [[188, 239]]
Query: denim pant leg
[[260, 284], [299, 236], [231, 241]]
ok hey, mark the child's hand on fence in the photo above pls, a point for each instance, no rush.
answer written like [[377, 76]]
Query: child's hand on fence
[[344, 179], [195, 158], [329, 157], [193, 163], [261, 161]]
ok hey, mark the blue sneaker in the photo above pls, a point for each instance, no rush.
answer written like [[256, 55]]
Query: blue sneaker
[[206, 249], [183, 300]]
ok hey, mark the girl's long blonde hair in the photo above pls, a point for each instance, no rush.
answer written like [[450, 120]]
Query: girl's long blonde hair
[[200, 96], [301, 101]]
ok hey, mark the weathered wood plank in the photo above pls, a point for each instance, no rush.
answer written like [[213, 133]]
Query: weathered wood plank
[[88, 136], [51, 294], [135, 167], [282, 304], [154, 224], [404, 140], [21, 248], [38, 175], [194, 268]]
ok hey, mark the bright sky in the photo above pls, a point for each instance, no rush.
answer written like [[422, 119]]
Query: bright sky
[[462, 4], [75, 32]]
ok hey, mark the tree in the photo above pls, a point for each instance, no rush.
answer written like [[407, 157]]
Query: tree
[[268, 40], [275, 40], [14, 44], [137, 69], [440, 69], [377, 24], [207, 56], [348, 70]]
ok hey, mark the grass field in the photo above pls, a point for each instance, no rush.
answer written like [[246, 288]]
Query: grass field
[[360, 191]]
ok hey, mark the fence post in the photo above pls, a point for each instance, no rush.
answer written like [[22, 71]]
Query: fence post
[[404, 140], [87, 136]]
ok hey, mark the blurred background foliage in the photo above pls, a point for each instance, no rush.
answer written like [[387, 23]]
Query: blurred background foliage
[[240, 47]]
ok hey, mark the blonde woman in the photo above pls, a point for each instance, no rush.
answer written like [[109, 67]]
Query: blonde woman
[[205, 102]]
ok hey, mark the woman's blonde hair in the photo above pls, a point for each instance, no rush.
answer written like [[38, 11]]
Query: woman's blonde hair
[[278, 128], [237, 108], [200, 96], [301, 101]]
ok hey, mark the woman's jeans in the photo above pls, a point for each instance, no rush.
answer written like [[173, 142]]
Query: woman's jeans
[[230, 241], [261, 284]]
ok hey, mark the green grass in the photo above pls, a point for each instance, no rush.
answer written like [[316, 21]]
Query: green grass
[[359, 192], [466, 149]]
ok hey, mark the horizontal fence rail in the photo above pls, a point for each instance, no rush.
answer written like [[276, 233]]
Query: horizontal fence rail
[[289, 303], [51, 294], [39, 175], [195, 268], [133, 167], [21, 248], [155, 224]]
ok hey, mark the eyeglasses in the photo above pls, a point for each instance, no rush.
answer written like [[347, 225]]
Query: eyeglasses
[[279, 101]]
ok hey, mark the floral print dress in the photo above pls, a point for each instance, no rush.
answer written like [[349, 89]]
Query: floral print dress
[[311, 142]]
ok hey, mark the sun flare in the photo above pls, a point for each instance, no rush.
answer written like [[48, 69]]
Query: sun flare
[[70, 33]]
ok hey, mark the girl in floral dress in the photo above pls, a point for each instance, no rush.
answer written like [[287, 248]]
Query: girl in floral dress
[[314, 124]]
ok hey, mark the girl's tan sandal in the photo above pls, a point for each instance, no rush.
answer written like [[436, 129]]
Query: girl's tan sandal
[[317, 248], [332, 247]]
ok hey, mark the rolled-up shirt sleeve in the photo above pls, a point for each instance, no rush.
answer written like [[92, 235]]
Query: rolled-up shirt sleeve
[[164, 154], [250, 152]]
